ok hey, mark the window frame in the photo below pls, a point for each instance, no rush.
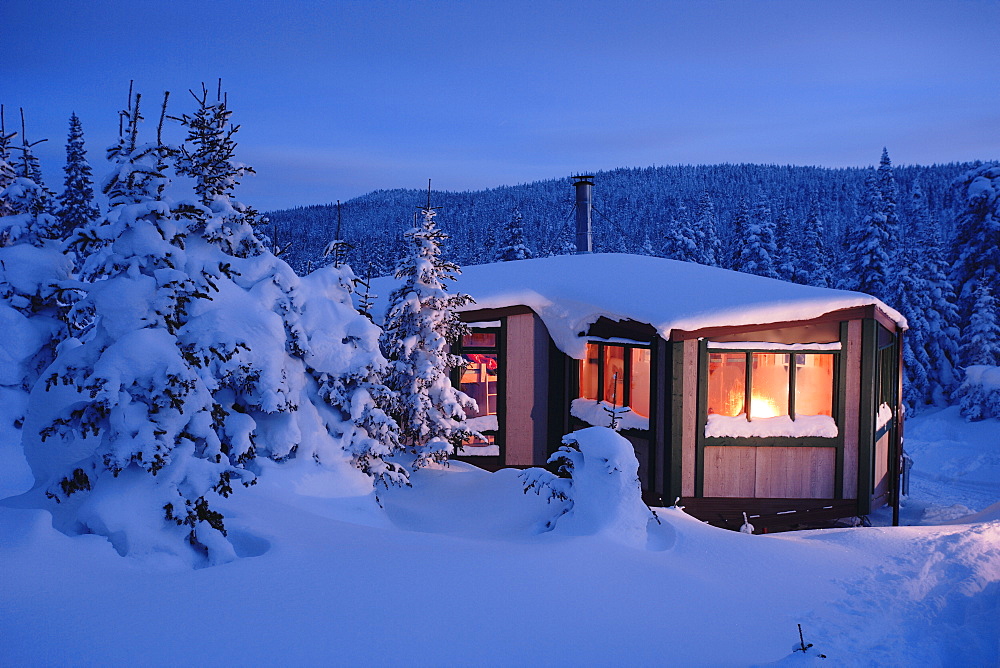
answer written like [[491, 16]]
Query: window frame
[[626, 399], [748, 381], [499, 349]]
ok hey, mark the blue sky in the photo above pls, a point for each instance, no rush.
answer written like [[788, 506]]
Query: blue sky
[[340, 98]]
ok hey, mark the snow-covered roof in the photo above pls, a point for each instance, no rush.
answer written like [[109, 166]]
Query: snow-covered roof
[[570, 292]]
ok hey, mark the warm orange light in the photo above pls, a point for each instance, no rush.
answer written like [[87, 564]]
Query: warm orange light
[[764, 407]]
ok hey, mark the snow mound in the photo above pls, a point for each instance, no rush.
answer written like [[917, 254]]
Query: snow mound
[[602, 495]]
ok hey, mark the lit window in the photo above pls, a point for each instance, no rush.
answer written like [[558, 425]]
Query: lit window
[[773, 381], [617, 374], [479, 381], [814, 385], [479, 378]]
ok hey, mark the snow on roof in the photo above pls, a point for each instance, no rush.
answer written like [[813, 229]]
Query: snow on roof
[[570, 292]]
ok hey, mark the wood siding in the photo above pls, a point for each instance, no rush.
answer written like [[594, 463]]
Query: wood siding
[[770, 472], [527, 390], [852, 409], [730, 471], [689, 418], [881, 469]]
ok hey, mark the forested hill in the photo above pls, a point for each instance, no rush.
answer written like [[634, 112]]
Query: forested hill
[[635, 208]]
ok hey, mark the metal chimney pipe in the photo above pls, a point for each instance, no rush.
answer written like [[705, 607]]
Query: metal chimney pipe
[[584, 185]]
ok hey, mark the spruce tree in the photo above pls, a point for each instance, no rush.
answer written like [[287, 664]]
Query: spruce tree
[[76, 203], [706, 237], [7, 173], [514, 246], [679, 242], [420, 323], [737, 234], [890, 199], [981, 338], [208, 157], [976, 254], [814, 260], [756, 248], [868, 266], [787, 240], [940, 314]]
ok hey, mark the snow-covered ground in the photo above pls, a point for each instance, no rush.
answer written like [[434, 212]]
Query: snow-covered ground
[[455, 571]]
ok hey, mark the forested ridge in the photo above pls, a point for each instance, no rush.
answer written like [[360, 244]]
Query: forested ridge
[[631, 204]]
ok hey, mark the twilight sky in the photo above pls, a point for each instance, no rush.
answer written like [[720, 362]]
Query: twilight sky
[[340, 98]]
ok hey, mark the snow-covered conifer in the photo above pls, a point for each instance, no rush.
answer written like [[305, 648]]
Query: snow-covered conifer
[[679, 242], [814, 261], [868, 266], [940, 314], [787, 240], [7, 173], [208, 157], [756, 247], [706, 234], [514, 246], [420, 323], [738, 229], [981, 338], [76, 203], [36, 289], [977, 239], [890, 198]]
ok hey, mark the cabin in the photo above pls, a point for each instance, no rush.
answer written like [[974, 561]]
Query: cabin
[[740, 394]]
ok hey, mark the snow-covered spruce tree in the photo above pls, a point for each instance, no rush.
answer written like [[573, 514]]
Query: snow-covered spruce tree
[[706, 232], [814, 261], [941, 316], [321, 354], [125, 437], [979, 393], [787, 241], [976, 255], [756, 248], [208, 157], [981, 339], [890, 203], [679, 242], [738, 230], [7, 173], [76, 203], [868, 266], [28, 167], [420, 323], [36, 290], [513, 246]]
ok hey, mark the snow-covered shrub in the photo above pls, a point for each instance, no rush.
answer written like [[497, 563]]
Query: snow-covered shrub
[[598, 490], [979, 393]]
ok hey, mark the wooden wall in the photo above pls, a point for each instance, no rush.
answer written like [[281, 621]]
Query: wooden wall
[[852, 396], [526, 374], [690, 417], [881, 488], [770, 472]]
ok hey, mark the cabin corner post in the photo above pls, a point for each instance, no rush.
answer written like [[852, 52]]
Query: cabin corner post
[[866, 421], [673, 464], [702, 413], [896, 459], [660, 389], [840, 410]]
